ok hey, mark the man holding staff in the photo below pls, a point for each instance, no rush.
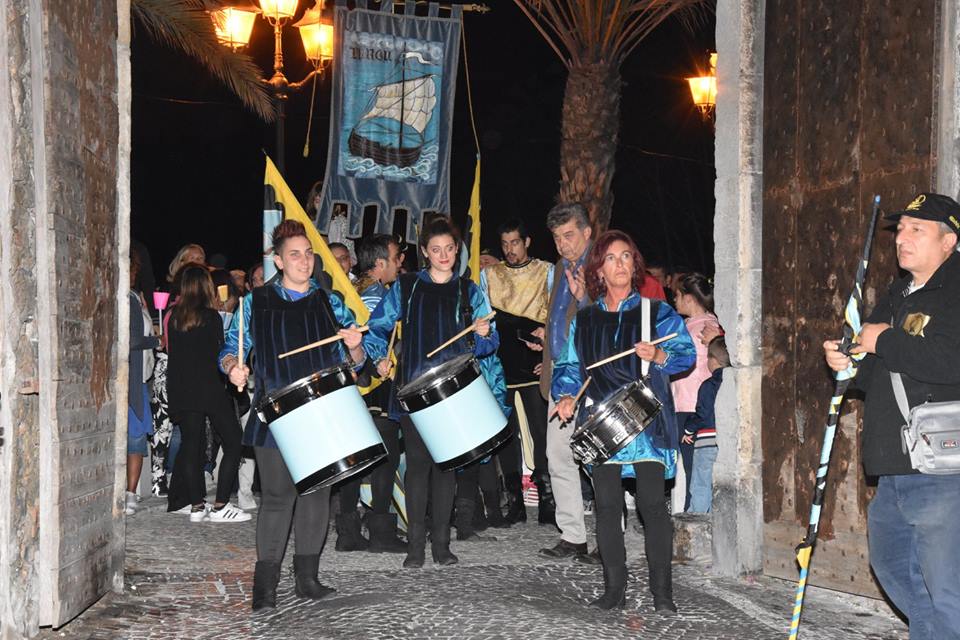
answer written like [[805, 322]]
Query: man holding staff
[[277, 318], [914, 333]]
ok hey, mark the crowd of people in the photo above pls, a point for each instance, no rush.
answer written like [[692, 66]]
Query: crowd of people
[[204, 370]]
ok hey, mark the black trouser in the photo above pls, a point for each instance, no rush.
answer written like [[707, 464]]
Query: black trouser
[[382, 475], [187, 486], [511, 454], [424, 480], [477, 476], [686, 453], [280, 506], [657, 525]]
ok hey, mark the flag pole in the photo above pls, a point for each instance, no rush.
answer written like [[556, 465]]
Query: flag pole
[[851, 332]]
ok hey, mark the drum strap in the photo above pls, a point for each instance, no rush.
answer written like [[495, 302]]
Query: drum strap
[[645, 331], [466, 311]]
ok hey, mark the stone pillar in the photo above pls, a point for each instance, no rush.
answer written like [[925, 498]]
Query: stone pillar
[[947, 81], [738, 501]]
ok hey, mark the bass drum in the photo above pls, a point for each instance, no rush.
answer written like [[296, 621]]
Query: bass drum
[[323, 428]]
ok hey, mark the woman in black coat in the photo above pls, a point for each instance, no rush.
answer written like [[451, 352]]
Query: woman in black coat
[[196, 393]]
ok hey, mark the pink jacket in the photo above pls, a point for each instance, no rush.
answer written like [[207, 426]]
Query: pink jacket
[[686, 386]]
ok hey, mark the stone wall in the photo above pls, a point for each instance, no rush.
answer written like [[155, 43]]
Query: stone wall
[[62, 297], [849, 112]]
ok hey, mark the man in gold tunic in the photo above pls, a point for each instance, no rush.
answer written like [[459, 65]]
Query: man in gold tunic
[[519, 290]]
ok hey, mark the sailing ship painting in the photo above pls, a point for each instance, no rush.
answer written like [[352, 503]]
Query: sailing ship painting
[[392, 137]]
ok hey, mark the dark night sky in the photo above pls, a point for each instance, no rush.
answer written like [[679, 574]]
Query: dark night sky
[[197, 165]]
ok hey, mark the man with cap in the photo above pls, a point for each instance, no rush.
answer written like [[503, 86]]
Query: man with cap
[[914, 519]]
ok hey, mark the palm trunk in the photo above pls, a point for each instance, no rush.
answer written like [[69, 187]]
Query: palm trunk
[[590, 128]]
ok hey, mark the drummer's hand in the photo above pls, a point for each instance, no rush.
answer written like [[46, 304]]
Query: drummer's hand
[[649, 352], [238, 375], [538, 332], [351, 336], [482, 328], [383, 367], [565, 408]]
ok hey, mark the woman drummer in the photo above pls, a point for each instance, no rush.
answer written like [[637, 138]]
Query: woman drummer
[[433, 305], [614, 273], [277, 317]]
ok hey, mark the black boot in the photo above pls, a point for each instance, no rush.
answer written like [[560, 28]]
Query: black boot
[[383, 534], [546, 507], [495, 517], [463, 521], [305, 574], [614, 588], [416, 545], [516, 511], [266, 577], [440, 546], [661, 586], [349, 537]]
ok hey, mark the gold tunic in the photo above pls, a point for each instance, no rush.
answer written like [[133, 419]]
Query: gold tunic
[[521, 291]]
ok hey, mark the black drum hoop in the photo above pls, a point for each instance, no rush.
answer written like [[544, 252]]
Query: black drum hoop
[[277, 404], [413, 399]]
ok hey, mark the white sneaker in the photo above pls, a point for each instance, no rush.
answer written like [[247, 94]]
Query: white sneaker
[[130, 507], [588, 507], [228, 513], [201, 515]]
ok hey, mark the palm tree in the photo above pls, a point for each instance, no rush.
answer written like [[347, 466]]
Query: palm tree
[[593, 38], [185, 25]]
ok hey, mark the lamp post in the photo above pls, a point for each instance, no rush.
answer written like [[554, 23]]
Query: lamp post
[[234, 22], [703, 90]]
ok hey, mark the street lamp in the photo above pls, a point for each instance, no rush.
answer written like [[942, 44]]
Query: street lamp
[[703, 89], [234, 22]]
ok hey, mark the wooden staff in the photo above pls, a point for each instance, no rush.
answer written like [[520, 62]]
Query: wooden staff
[[629, 351], [393, 336], [318, 343], [472, 327]]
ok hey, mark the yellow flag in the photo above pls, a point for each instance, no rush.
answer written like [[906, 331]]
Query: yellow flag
[[474, 215], [293, 211]]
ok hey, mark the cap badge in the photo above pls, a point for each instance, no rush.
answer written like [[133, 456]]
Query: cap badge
[[913, 206]]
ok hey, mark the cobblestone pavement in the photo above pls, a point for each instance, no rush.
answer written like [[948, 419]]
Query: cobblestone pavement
[[193, 581]]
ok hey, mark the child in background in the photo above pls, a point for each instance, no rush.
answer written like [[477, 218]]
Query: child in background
[[701, 429]]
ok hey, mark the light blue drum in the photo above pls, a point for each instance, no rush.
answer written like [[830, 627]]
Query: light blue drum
[[323, 428], [455, 412]]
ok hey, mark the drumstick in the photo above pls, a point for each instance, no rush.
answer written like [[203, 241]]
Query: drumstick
[[472, 327], [629, 351], [318, 343], [393, 335], [579, 395]]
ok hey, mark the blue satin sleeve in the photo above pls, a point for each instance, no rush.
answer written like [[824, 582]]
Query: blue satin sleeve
[[481, 307], [681, 353], [381, 323], [345, 318], [567, 375], [231, 339]]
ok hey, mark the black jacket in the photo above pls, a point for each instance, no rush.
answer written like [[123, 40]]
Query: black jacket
[[923, 345]]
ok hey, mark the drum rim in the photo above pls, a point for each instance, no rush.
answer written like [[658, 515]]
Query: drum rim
[[433, 393], [606, 406], [483, 449], [341, 469], [603, 411], [274, 403]]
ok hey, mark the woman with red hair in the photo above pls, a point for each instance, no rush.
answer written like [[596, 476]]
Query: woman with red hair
[[615, 274]]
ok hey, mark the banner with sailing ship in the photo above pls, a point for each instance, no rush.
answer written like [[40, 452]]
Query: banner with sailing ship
[[394, 82]]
